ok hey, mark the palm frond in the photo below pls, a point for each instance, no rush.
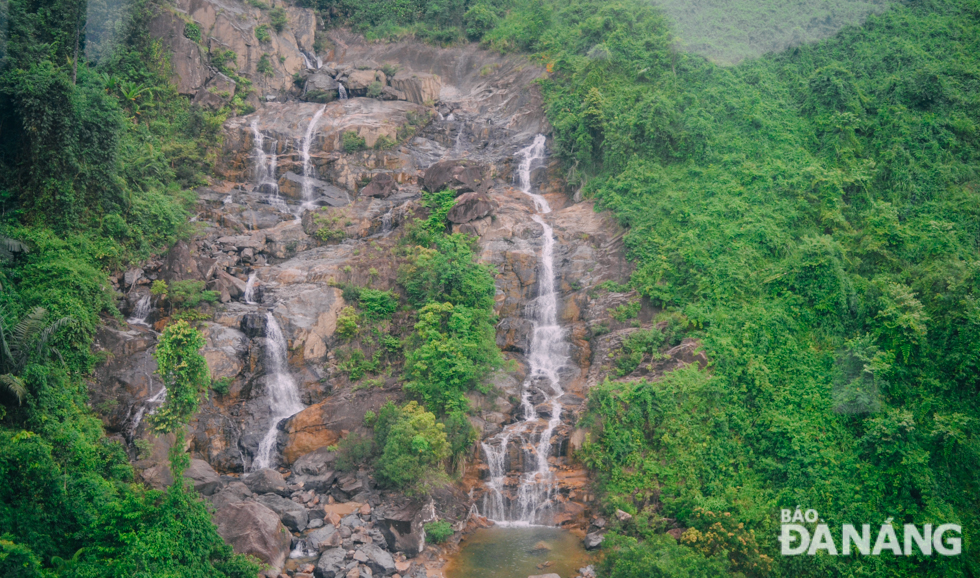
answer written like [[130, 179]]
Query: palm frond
[[14, 386], [41, 345]]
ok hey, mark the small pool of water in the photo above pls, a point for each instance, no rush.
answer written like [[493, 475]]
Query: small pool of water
[[517, 552]]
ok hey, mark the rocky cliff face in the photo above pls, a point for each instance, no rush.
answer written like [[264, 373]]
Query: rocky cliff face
[[291, 214]]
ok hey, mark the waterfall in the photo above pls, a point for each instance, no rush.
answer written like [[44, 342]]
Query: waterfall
[[307, 61], [283, 393], [307, 166], [342, 91], [547, 356], [386, 220], [141, 312], [249, 295], [152, 403], [265, 167]]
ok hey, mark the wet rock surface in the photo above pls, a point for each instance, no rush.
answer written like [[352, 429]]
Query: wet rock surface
[[281, 239]]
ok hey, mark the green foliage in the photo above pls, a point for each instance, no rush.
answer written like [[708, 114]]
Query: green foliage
[[635, 348], [348, 322], [184, 372], [478, 20], [447, 273], [262, 33], [353, 452], [278, 19], [352, 142], [377, 304], [626, 311], [374, 89], [425, 232], [189, 294], [658, 557], [454, 350], [438, 532], [384, 143], [220, 386], [192, 31], [412, 445], [264, 65]]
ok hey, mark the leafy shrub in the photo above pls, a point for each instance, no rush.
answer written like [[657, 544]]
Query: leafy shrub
[[438, 532], [262, 33], [390, 69], [264, 65], [635, 347], [353, 452], [413, 445], [278, 19], [377, 304], [374, 89], [626, 311], [184, 372], [221, 386], [188, 294], [479, 20], [384, 143], [348, 322], [353, 142], [192, 31]]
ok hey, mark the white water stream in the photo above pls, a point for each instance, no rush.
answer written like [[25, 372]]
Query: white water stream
[[265, 167], [282, 391], [341, 91], [141, 312], [548, 354], [249, 295], [307, 165]]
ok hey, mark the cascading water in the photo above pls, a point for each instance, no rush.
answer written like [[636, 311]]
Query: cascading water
[[249, 295], [151, 404], [141, 312], [342, 91], [307, 165], [283, 394], [547, 356], [265, 168]]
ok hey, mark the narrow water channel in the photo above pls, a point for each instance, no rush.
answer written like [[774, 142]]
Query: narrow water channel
[[519, 552]]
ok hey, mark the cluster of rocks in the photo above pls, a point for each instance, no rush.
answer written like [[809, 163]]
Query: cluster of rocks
[[315, 521], [368, 78]]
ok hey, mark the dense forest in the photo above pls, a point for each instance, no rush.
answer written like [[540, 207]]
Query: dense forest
[[811, 215]]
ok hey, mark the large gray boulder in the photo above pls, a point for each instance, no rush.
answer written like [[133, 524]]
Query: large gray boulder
[[331, 564], [402, 527], [470, 207], [230, 494], [593, 540], [266, 481], [203, 477], [315, 463], [382, 185], [379, 561], [251, 528], [320, 87], [293, 515], [323, 538], [462, 176]]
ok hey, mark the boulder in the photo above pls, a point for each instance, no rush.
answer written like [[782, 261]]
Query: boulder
[[253, 325], [323, 538], [266, 481], [254, 241], [389, 93], [315, 463], [230, 494], [419, 87], [593, 540], [379, 561], [332, 564], [381, 186], [470, 207], [158, 477], [251, 528], [291, 185], [402, 527], [205, 480], [623, 516], [320, 87], [189, 69], [359, 80], [462, 176], [293, 515], [183, 264]]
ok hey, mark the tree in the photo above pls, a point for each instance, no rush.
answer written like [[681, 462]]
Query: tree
[[184, 372], [27, 339], [415, 446]]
